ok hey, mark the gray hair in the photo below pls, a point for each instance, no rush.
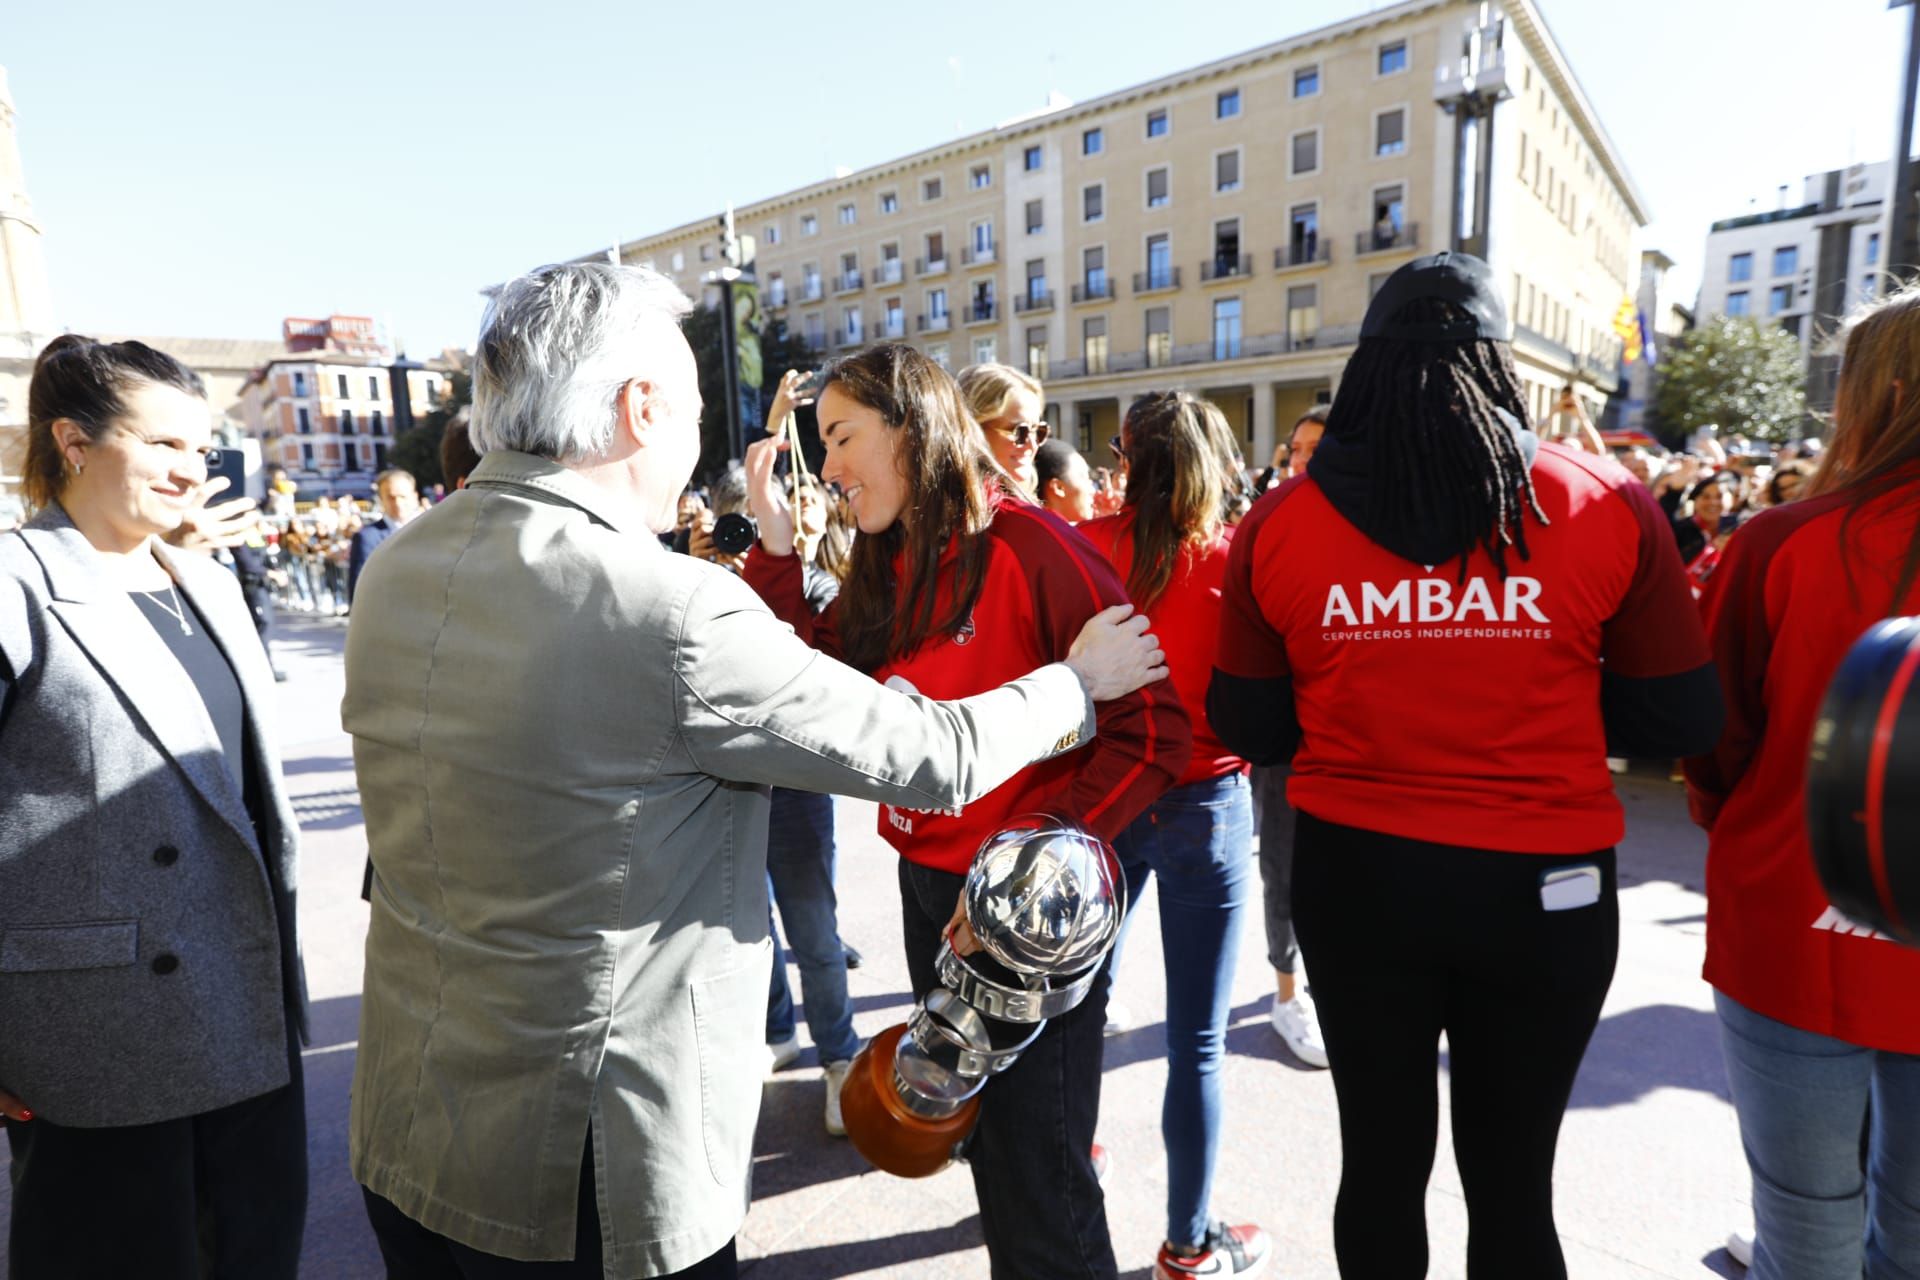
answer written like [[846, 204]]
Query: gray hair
[[556, 347]]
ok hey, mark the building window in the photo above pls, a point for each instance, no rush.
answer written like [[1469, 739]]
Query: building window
[[1389, 216], [303, 420], [889, 202], [1034, 220], [706, 253], [848, 215], [1226, 171], [776, 290], [814, 331], [1393, 57], [1786, 259], [1873, 249], [1093, 202], [1036, 282], [346, 422], [1159, 262], [1030, 159], [1037, 352], [983, 241], [771, 233], [1226, 104], [890, 263], [340, 380], [936, 250], [930, 189], [1739, 304], [1303, 314], [980, 177], [1093, 344], [300, 379], [983, 307], [809, 226], [1226, 248], [373, 386], [1093, 271], [1779, 299], [379, 427], [850, 325], [1093, 142], [1390, 132], [1157, 124], [985, 350], [810, 282], [1868, 283], [1306, 82], [1159, 337], [937, 352], [1157, 188], [1303, 233], [1226, 329], [937, 303], [351, 452], [896, 318], [306, 457], [680, 259], [1305, 151], [1740, 267]]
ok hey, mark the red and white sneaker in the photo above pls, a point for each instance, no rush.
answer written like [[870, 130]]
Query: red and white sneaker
[[1227, 1251], [1101, 1162]]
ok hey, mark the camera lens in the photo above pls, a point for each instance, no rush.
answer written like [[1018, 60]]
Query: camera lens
[[733, 533]]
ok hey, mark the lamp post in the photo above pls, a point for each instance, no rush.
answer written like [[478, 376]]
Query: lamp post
[[1469, 91]]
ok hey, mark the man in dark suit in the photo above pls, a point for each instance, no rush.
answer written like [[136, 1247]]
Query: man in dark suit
[[399, 503]]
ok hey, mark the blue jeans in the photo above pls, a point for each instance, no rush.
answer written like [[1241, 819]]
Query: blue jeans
[[1198, 839], [1823, 1208], [800, 869]]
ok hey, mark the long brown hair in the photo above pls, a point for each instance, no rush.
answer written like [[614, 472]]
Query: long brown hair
[[1177, 482], [1876, 418], [948, 472]]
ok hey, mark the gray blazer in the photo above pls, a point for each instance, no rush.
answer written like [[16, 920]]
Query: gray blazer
[[147, 954], [564, 736]]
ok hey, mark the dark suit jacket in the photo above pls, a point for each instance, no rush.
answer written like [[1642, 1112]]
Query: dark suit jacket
[[369, 536]]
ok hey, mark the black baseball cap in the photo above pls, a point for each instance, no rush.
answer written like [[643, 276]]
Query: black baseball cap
[[1459, 278]]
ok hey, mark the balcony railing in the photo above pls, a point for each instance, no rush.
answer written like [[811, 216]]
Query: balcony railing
[[894, 326], [1310, 252], [929, 267], [848, 337], [810, 291], [935, 324], [1155, 281], [1224, 266], [1168, 356], [1033, 302], [776, 297], [977, 255], [847, 282], [1382, 241], [982, 312], [1093, 290], [888, 272]]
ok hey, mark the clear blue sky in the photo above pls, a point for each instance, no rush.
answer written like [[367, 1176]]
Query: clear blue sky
[[203, 169]]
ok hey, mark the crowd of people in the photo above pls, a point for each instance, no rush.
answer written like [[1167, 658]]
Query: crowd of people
[[597, 730]]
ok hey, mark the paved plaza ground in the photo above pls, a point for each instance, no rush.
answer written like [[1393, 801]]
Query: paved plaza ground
[[1650, 1175]]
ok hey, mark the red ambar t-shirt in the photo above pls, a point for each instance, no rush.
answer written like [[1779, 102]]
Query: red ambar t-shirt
[[1782, 611], [1042, 582], [1462, 713], [1186, 618]]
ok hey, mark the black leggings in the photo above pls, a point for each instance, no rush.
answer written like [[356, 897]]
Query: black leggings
[[1404, 940]]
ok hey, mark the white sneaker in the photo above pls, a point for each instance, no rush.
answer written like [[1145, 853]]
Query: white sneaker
[[1740, 1247], [782, 1052], [836, 1081], [1119, 1018], [1298, 1024], [1616, 765]]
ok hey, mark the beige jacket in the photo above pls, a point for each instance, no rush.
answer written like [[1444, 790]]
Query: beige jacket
[[564, 735]]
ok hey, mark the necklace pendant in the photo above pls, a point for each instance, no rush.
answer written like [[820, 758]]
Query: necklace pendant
[[185, 630]]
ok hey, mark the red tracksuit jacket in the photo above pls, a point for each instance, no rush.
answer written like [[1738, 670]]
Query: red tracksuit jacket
[[1042, 582]]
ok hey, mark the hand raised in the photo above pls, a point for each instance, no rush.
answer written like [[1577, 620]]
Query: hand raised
[[1114, 654], [766, 497]]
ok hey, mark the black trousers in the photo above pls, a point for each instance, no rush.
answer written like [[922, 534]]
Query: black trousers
[[1405, 940], [217, 1196], [1041, 1208], [412, 1252]]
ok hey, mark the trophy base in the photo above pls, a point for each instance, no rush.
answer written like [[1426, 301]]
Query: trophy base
[[881, 1128]]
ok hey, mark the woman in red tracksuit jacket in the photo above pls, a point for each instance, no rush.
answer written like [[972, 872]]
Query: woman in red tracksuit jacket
[[1820, 1016], [957, 580], [1171, 544]]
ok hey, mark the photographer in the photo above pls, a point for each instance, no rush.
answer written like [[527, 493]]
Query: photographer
[[1820, 1017]]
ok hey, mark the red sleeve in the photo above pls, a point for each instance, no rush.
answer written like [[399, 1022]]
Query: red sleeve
[[781, 584], [1145, 738], [1656, 631], [1250, 646], [1735, 610]]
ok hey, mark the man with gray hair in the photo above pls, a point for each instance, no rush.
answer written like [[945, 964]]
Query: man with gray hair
[[564, 736]]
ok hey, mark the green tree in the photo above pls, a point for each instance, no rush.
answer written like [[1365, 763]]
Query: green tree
[[418, 450], [779, 352], [1747, 377]]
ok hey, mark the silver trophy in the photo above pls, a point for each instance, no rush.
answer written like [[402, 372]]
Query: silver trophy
[[1044, 898]]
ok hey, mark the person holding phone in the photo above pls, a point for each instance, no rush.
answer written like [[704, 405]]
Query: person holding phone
[[1447, 626], [956, 578]]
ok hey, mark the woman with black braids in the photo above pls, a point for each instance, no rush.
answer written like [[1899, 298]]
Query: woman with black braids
[[1447, 627]]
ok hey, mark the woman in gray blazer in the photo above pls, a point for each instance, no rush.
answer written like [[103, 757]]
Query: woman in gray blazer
[[151, 994]]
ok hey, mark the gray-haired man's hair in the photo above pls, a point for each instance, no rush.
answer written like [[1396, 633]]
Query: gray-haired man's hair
[[557, 345]]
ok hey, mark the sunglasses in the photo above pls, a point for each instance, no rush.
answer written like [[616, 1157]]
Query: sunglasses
[[1021, 432]]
